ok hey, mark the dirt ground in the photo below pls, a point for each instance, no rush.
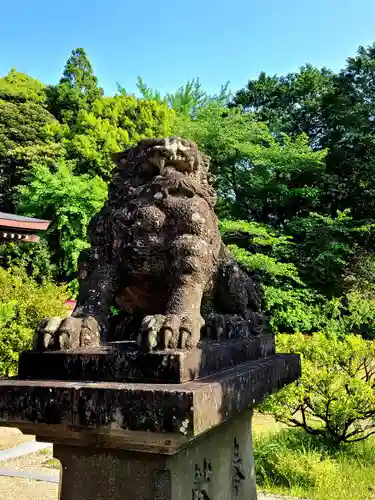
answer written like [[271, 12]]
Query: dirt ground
[[10, 437], [12, 488]]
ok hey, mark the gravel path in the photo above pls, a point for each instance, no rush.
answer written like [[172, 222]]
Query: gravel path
[[10, 437], [12, 488], [22, 450], [25, 489]]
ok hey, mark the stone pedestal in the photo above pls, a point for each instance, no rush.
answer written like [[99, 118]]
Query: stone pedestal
[[218, 466], [184, 436]]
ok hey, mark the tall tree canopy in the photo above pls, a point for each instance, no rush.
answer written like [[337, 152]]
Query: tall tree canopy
[[259, 177], [292, 103], [28, 131], [336, 111], [78, 88]]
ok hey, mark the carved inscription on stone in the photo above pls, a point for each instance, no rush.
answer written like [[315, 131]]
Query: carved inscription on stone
[[201, 481], [237, 470]]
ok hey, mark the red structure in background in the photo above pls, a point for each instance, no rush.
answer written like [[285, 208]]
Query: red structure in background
[[22, 229], [70, 305]]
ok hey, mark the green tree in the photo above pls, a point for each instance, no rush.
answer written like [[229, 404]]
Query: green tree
[[70, 201], [258, 177], [326, 249], [19, 87], [148, 93], [266, 253], [78, 88], [292, 104], [34, 258], [336, 111], [187, 100], [113, 124], [350, 109], [28, 132]]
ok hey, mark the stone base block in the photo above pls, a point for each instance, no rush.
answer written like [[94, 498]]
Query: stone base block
[[123, 362], [217, 466], [144, 416]]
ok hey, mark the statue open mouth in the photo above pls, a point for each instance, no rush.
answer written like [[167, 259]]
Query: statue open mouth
[[181, 164], [169, 163]]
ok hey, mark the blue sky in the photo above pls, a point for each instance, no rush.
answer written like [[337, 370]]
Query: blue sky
[[168, 42]]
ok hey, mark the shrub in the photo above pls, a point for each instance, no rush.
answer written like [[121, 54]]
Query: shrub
[[335, 397], [35, 258], [23, 304]]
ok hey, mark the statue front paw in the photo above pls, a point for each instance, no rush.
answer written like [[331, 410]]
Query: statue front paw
[[170, 331], [67, 333]]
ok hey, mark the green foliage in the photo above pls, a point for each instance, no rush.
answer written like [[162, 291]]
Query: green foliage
[[292, 156], [112, 125], [69, 201], [259, 248], [54, 142], [149, 94], [295, 463], [35, 258], [292, 103], [336, 112], [357, 315], [23, 304], [19, 87], [264, 263], [330, 252], [333, 235], [258, 234], [77, 90], [28, 132], [294, 309], [187, 100], [259, 177], [335, 396], [114, 311], [290, 305]]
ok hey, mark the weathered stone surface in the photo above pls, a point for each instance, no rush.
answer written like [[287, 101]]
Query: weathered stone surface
[[218, 466], [156, 253], [123, 362], [105, 412]]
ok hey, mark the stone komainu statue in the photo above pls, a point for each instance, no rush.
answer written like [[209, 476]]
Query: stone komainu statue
[[156, 253]]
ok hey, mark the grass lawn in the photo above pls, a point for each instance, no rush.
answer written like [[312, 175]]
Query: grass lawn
[[290, 462]]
